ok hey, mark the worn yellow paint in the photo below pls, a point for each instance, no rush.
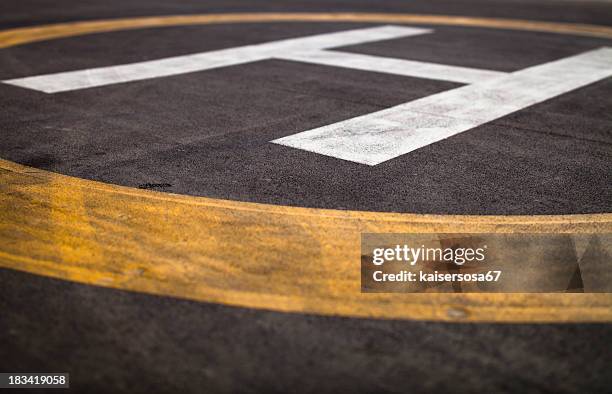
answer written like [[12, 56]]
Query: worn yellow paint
[[24, 35], [253, 255], [245, 254]]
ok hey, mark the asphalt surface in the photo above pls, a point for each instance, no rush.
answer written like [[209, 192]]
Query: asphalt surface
[[207, 134], [114, 341], [32, 12]]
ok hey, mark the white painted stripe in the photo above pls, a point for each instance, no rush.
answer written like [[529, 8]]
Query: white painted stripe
[[380, 136], [409, 68], [342, 38], [82, 79]]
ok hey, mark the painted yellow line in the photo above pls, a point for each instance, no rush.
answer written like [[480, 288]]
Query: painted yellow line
[[47, 32], [253, 255]]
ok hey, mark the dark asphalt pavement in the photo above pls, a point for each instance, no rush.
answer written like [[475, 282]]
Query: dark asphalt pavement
[[32, 12], [208, 133], [114, 341]]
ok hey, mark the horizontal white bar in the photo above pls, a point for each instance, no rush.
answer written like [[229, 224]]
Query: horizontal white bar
[[380, 136], [409, 68], [82, 79]]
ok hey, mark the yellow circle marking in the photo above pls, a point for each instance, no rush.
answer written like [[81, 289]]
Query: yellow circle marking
[[25, 35], [254, 255]]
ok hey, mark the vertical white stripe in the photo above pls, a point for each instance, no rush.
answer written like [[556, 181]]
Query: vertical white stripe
[[82, 79], [380, 136]]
